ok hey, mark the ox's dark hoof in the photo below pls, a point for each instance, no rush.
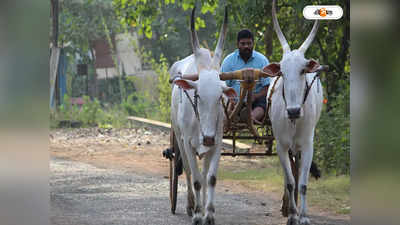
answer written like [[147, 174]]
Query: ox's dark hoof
[[209, 221], [197, 221], [304, 221], [189, 211], [293, 220]]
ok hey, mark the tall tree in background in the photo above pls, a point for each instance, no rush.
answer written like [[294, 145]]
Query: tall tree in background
[[54, 42], [54, 16], [82, 22]]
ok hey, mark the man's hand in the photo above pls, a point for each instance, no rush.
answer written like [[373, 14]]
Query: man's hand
[[248, 74]]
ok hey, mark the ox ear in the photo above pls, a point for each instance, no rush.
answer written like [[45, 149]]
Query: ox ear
[[186, 84], [273, 69], [312, 66], [228, 91]]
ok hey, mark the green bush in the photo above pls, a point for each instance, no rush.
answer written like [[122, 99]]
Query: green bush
[[89, 115], [90, 111], [161, 107], [113, 117], [139, 105], [164, 89], [332, 140]]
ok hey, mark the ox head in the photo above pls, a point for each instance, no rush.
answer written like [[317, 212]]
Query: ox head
[[293, 68], [208, 87]]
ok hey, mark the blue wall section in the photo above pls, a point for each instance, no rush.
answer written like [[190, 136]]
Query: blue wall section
[[62, 75]]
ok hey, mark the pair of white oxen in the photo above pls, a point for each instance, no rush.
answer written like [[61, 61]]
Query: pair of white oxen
[[199, 127]]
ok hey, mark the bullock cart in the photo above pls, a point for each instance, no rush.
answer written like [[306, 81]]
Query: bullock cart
[[237, 126]]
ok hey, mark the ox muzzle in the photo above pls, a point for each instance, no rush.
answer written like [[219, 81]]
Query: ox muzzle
[[294, 113]]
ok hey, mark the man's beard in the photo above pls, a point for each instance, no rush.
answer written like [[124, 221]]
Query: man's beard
[[246, 53]]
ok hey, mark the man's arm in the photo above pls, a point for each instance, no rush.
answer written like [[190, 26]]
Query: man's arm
[[225, 68]]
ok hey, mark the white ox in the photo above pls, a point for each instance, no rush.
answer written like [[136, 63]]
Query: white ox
[[200, 133], [294, 115]]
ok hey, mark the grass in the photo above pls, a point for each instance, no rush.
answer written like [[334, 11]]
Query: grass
[[330, 193]]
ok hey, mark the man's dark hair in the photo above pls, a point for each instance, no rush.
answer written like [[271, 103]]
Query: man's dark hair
[[245, 34]]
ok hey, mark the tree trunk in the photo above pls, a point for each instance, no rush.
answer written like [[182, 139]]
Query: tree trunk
[[54, 14], [93, 80]]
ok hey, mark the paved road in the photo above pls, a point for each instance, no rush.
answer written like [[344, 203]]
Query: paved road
[[82, 194]]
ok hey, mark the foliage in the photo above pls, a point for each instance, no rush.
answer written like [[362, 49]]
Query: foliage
[[113, 117], [67, 111], [82, 22], [109, 89], [332, 139], [139, 105], [164, 87], [166, 23], [90, 114], [122, 89]]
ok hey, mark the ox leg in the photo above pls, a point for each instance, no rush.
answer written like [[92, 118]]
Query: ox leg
[[197, 181], [211, 180], [190, 195], [206, 166], [306, 160], [290, 183], [186, 168]]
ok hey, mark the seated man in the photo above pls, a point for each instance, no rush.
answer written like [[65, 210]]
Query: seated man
[[246, 57]]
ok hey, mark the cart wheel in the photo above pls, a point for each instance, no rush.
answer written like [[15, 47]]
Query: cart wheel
[[173, 174]]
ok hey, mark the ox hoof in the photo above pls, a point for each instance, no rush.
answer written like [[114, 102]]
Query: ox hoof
[[197, 221], [304, 221], [293, 220], [189, 211], [209, 220]]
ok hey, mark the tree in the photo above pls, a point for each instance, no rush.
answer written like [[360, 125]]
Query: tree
[[82, 22]]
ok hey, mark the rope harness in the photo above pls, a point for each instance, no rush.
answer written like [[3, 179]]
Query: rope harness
[[307, 91], [194, 105]]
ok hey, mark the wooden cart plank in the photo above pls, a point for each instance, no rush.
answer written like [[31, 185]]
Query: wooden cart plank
[[166, 127]]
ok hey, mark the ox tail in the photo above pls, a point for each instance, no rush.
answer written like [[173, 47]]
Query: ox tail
[[315, 171]]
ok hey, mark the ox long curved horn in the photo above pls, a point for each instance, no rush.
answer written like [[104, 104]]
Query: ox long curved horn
[[303, 48], [194, 38], [277, 28], [220, 44]]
